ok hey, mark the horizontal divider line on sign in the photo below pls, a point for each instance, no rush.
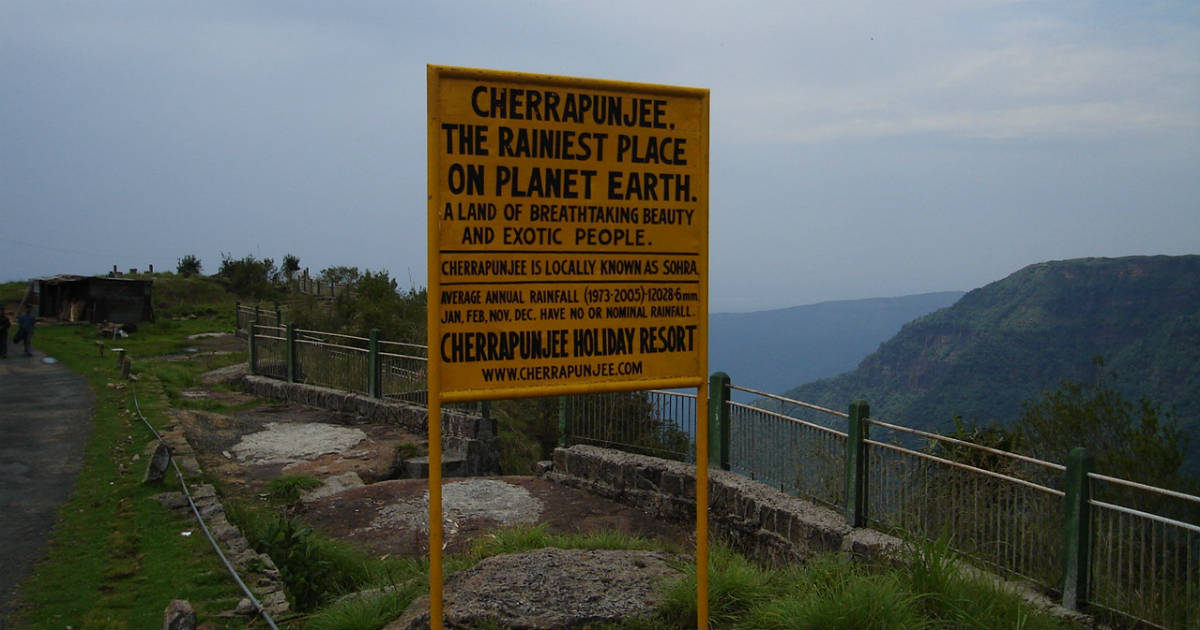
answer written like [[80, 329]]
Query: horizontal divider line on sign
[[553, 281], [574, 388], [556, 251]]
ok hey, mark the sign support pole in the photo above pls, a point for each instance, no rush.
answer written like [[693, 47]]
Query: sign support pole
[[435, 509], [702, 506]]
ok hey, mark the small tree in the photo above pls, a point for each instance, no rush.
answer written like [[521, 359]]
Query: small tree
[[188, 266], [249, 276], [340, 274], [1135, 441], [291, 264]]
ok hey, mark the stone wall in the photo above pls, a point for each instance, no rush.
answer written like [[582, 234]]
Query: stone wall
[[753, 518], [472, 437]]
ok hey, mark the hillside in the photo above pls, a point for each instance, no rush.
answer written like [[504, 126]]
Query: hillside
[[773, 350], [1010, 340]]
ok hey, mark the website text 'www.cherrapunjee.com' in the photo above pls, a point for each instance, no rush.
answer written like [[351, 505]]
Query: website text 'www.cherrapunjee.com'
[[527, 373]]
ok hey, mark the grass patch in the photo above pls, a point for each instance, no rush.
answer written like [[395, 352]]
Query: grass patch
[[287, 489], [831, 592], [116, 557]]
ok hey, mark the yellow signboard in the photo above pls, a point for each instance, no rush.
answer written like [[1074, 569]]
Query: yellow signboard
[[568, 234]]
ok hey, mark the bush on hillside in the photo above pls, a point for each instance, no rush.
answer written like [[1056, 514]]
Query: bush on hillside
[[250, 277]]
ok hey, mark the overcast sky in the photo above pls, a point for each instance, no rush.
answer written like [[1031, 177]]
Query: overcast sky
[[857, 149]]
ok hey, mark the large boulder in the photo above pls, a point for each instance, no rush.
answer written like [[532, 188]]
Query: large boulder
[[548, 588]]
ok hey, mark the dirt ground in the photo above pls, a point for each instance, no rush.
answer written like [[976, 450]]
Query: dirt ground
[[384, 514]]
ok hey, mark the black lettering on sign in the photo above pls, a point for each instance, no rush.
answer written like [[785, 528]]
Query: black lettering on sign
[[478, 235], [460, 297], [543, 182], [643, 186], [651, 150], [569, 107], [656, 339], [471, 138], [465, 179], [470, 347], [554, 144], [602, 342]]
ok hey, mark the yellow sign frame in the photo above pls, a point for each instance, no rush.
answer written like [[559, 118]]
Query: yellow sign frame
[[612, 248]]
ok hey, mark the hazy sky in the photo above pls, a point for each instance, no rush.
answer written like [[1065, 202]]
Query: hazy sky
[[858, 149]]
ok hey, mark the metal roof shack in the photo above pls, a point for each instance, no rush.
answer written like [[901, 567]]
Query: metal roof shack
[[95, 299]]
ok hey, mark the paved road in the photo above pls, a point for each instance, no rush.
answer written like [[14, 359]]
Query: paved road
[[45, 420]]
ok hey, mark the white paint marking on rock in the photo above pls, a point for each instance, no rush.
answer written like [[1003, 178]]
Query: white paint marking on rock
[[474, 498], [284, 442]]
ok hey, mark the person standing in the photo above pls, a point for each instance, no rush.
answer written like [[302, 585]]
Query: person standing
[[25, 324], [4, 324]]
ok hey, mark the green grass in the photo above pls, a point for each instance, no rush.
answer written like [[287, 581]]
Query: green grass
[[116, 557], [11, 294], [828, 591], [286, 490]]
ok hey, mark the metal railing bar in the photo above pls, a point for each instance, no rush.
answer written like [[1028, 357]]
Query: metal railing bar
[[798, 403], [1127, 615], [1145, 515], [1142, 486], [331, 345], [258, 336], [1002, 476], [401, 343], [402, 356], [678, 394], [775, 414], [329, 334], [943, 438]]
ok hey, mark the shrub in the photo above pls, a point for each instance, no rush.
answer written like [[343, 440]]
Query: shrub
[[287, 489], [188, 266]]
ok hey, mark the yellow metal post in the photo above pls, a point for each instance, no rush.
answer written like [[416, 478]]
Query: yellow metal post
[[702, 506], [434, 368], [435, 510]]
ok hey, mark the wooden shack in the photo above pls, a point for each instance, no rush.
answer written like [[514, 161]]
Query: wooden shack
[[96, 299]]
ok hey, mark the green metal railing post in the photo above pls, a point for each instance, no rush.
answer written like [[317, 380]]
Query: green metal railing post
[[253, 359], [718, 420], [856, 464], [1077, 529], [373, 370], [237, 317], [564, 422], [278, 314], [290, 334]]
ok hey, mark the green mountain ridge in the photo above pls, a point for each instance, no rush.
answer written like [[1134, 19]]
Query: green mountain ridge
[[1006, 342], [772, 350]]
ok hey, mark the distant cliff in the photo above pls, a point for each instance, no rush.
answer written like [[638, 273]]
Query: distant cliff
[[1008, 341], [773, 350]]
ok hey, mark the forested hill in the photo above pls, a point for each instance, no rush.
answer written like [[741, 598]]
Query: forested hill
[[1010, 340], [773, 350]]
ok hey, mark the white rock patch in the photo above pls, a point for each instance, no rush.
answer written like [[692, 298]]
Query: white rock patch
[[481, 498], [283, 443]]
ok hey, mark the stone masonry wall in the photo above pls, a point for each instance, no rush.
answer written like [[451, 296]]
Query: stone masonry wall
[[753, 518], [473, 437]]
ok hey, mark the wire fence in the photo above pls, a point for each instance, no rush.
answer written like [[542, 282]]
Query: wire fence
[[271, 346], [332, 360], [1145, 552], [650, 422], [988, 509], [796, 453], [403, 371], [244, 316], [1005, 510]]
